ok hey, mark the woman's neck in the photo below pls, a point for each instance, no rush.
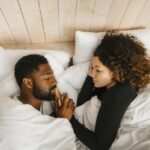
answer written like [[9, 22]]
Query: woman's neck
[[111, 84]]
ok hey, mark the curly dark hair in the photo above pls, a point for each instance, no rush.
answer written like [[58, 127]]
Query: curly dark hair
[[27, 65], [126, 57]]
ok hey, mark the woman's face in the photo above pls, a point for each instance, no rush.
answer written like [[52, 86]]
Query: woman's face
[[101, 75]]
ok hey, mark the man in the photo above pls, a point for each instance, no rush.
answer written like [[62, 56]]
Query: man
[[22, 126], [35, 79]]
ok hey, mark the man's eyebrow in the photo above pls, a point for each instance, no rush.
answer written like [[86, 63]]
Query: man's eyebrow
[[47, 72]]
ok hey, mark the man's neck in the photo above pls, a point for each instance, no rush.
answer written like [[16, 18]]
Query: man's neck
[[36, 103]]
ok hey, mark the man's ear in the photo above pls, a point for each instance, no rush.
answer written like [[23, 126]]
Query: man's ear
[[28, 82]]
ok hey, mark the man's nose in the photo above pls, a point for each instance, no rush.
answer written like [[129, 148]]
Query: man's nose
[[53, 82]]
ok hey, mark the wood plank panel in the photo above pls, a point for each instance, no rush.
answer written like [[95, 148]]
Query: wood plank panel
[[100, 14], [67, 13], [5, 34], [32, 16], [14, 18], [148, 24], [84, 14], [50, 21], [49, 11], [144, 16], [132, 13], [65, 46], [116, 14]]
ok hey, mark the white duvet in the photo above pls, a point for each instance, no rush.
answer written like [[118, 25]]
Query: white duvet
[[24, 128], [134, 131], [37, 132]]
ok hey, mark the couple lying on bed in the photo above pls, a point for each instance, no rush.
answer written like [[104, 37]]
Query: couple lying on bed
[[119, 68]]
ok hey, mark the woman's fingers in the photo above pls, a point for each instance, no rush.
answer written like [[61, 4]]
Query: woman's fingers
[[65, 99], [67, 108], [70, 104]]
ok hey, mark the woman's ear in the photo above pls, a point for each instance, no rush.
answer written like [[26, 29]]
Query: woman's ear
[[116, 76], [28, 82]]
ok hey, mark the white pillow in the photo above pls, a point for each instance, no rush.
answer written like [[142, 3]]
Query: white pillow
[[4, 64], [86, 42], [8, 85], [62, 57], [76, 74], [56, 66], [13, 56], [65, 87]]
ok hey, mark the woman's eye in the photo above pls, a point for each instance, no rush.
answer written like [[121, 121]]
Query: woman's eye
[[91, 68], [98, 71]]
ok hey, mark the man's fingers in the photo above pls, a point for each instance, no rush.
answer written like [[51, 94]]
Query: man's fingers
[[58, 97], [57, 94], [56, 104], [65, 99], [59, 102]]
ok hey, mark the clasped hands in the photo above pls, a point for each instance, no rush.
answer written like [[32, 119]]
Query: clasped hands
[[64, 105]]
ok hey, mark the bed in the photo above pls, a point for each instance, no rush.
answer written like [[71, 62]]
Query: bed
[[134, 132]]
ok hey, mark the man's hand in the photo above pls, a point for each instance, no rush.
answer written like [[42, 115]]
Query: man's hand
[[58, 98], [67, 108]]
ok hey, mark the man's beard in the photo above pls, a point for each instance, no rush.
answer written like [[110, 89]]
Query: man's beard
[[43, 95]]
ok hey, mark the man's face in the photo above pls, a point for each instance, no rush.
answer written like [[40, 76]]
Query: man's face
[[44, 83]]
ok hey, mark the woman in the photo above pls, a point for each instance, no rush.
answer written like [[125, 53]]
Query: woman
[[119, 68]]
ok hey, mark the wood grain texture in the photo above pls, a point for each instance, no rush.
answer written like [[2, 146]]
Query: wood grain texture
[[51, 21]]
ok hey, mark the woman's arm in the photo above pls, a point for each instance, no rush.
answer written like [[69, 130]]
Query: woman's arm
[[85, 135], [114, 104], [86, 91]]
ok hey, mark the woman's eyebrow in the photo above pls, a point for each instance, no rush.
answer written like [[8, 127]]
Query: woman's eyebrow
[[96, 66]]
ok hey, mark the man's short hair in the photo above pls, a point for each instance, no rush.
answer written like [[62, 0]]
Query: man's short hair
[[27, 65]]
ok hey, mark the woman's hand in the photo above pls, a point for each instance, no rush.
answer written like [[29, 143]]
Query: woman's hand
[[66, 109]]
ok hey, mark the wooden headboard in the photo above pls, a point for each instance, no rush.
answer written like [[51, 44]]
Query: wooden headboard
[[41, 22]]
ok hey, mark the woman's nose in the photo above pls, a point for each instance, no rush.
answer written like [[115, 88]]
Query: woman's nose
[[91, 73]]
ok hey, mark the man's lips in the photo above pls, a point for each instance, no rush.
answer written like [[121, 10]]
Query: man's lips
[[53, 89]]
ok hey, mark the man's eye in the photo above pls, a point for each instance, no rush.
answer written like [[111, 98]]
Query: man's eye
[[46, 77]]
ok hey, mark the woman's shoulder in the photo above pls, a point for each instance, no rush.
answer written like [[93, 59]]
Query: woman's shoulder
[[124, 87], [122, 91]]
